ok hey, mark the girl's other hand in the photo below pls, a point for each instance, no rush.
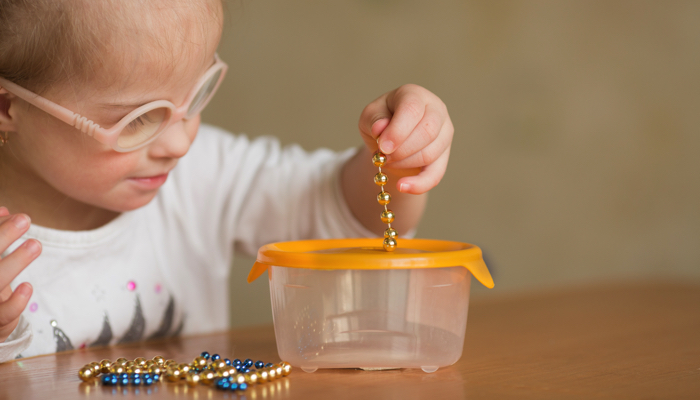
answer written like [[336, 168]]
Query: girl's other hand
[[12, 227], [414, 130]]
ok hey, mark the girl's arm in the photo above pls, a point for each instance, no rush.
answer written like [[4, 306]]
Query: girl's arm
[[415, 132]]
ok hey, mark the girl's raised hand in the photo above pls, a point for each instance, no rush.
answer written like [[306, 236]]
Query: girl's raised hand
[[414, 130], [12, 227]]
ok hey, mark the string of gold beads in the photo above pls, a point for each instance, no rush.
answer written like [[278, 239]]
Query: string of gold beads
[[384, 198], [204, 369]]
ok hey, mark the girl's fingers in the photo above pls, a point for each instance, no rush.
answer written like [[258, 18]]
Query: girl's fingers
[[374, 119], [4, 211], [427, 179], [434, 126], [18, 260], [11, 309], [408, 110], [427, 155], [11, 229]]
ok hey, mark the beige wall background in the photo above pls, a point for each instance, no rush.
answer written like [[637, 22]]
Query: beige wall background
[[576, 153]]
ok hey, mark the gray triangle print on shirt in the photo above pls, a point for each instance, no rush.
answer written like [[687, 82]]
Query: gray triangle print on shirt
[[167, 322], [62, 341], [137, 327], [106, 334]]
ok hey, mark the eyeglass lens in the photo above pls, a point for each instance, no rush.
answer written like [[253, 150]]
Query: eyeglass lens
[[146, 125], [142, 128], [203, 94]]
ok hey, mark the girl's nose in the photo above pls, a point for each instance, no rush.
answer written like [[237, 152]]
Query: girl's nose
[[175, 141]]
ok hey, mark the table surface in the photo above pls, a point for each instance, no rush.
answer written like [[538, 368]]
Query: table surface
[[616, 341]]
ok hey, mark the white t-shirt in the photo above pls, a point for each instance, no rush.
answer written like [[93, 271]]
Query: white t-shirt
[[162, 269]]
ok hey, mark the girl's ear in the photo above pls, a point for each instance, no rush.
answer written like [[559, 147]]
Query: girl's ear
[[7, 123]]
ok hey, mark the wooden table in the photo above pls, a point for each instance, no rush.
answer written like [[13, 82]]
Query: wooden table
[[618, 342]]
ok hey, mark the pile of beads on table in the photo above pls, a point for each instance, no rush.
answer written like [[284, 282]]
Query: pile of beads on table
[[205, 369]]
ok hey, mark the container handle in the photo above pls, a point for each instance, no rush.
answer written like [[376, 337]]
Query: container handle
[[480, 271], [257, 270]]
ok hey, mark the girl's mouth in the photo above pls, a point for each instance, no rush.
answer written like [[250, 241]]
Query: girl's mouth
[[150, 182]]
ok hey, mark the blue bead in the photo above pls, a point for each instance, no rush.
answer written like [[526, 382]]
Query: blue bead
[[107, 380], [215, 357], [136, 381], [205, 354], [124, 376], [115, 379], [148, 381], [146, 376], [123, 382], [268, 365], [227, 361], [156, 377], [234, 386], [259, 364], [134, 376], [237, 362], [245, 371]]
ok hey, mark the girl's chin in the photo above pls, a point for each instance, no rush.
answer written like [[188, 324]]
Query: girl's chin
[[132, 202]]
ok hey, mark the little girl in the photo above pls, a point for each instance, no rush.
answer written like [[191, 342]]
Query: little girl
[[135, 220]]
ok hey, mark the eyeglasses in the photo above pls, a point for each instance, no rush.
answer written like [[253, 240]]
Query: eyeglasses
[[139, 127]]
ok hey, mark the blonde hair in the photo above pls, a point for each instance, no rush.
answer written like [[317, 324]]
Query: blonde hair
[[47, 41]]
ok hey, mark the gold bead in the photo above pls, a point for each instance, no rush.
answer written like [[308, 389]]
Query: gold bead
[[378, 159], [193, 379], [129, 365], [173, 374], [117, 369], [272, 372], [218, 365], [381, 179], [121, 360], [105, 366], [140, 361], [286, 368], [263, 376], [239, 378], [96, 369], [384, 198], [223, 373], [387, 216], [390, 244], [200, 362], [86, 373], [184, 368], [149, 364], [232, 371], [390, 233], [278, 370], [159, 360], [156, 369], [138, 370], [251, 378], [207, 377]]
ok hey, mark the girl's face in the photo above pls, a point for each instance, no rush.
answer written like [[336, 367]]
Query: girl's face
[[50, 155]]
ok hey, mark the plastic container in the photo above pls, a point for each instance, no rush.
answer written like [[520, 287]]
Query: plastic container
[[347, 303]]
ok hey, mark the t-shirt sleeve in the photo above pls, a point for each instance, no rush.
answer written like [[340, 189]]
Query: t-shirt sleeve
[[17, 342], [247, 193], [296, 195]]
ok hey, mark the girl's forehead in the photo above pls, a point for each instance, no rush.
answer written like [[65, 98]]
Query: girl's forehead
[[153, 55]]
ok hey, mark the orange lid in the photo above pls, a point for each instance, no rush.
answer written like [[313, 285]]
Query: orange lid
[[331, 254]]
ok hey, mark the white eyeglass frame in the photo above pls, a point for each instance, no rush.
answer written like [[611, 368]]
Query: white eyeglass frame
[[110, 136]]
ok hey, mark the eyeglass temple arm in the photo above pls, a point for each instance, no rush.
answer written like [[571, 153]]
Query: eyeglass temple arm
[[76, 120]]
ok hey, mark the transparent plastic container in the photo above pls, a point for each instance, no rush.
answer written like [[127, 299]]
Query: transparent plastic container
[[349, 304]]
